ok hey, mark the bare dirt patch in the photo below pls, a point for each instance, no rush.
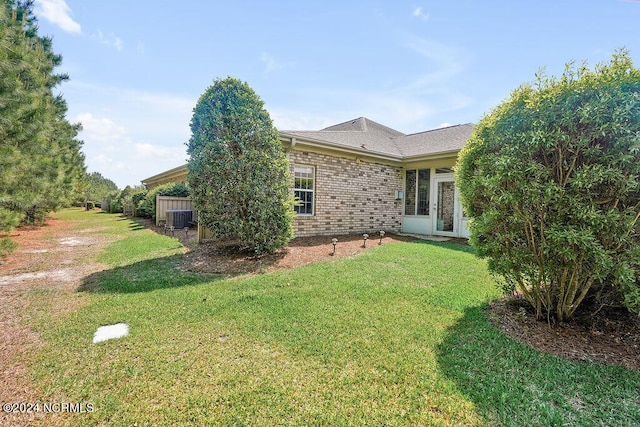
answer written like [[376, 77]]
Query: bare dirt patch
[[51, 257], [59, 275], [76, 241]]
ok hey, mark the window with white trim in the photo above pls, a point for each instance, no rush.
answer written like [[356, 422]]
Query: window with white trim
[[303, 189], [416, 201]]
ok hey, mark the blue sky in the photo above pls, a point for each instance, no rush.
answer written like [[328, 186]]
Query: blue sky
[[137, 68]]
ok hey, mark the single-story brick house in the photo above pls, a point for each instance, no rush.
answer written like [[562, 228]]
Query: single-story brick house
[[360, 176]]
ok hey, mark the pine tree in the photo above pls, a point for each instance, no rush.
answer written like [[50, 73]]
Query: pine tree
[[40, 157]]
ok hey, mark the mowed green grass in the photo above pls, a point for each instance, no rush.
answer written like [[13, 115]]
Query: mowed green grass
[[395, 336]]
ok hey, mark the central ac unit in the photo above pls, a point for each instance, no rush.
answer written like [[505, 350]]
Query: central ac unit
[[179, 219]]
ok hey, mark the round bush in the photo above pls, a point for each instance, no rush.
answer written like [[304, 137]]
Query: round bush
[[550, 180]]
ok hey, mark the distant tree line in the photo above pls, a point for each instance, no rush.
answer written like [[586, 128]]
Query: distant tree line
[[41, 164], [94, 189], [138, 200]]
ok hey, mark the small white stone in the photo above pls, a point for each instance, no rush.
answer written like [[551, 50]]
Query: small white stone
[[108, 332]]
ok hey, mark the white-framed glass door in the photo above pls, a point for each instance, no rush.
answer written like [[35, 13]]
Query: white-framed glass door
[[444, 220]]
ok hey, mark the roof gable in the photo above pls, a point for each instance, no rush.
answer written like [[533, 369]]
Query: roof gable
[[362, 124], [360, 134]]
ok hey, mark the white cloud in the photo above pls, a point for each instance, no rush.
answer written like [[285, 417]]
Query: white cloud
[[423, 102], [399, 110], [445, 61], [103, 131], [418, 12], [143, 116], [285, 119], [105, 164], [270, 62], [57, 12], [130, 134], [145, 151], [110, 40], [161, 101], [422, 97]]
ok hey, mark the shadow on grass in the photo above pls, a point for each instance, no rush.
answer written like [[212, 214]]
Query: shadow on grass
[[145, 276], [136, 226], [513, 384]]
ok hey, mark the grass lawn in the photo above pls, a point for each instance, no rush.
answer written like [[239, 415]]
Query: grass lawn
[[395, 336]]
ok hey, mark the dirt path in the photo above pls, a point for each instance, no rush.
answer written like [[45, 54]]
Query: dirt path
[[53, 257]]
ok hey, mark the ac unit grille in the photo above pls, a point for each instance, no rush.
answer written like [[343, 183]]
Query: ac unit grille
[[179, 219]]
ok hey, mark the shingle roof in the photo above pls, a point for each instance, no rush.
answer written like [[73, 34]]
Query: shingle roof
[[363, 124], [365, 134], [442, 140], [360, 133]]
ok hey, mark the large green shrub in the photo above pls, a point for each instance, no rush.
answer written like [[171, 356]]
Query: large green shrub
[[113, 204], [550, 179], [137, 198], [146, 207], [123, 200], [238, 173]]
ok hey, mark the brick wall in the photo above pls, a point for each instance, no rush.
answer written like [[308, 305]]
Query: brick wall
[[350, 197]]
